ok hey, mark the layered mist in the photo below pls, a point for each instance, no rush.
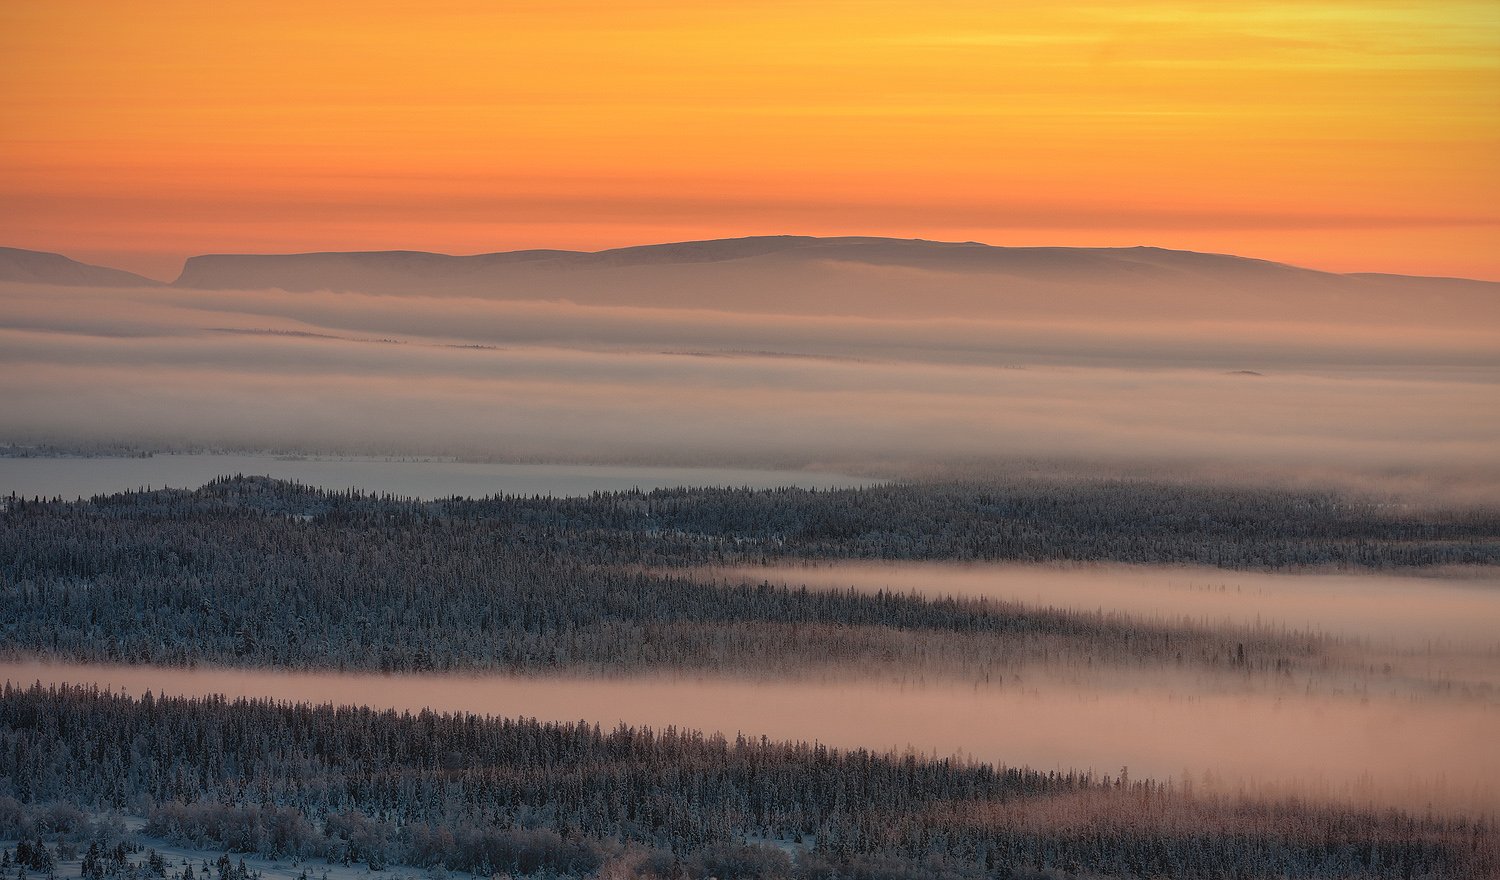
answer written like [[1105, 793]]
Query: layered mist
[[776, 557], [1204, 365]]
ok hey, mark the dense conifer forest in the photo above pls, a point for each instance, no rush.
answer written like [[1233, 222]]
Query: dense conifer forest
[[487, 796], [251, 571], [265, 573]]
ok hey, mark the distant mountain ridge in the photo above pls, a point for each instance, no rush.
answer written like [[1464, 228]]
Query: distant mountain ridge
[[356, 270], [846, 276], [42, 267], [872, 278]]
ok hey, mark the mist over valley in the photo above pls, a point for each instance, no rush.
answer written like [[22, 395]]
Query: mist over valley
[[1059, 529]]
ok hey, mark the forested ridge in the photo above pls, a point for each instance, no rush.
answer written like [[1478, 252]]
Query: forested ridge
[[1012, 520], [489, 794], [252, 571]]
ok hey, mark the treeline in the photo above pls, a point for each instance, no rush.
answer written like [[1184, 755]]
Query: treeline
[[259, 572], [1024, 520], [1031, 521], [487, 795]]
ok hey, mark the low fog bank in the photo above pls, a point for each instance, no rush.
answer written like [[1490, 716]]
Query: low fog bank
[[1427, 638], [1365, 751], [1455, 609], [1408, 408]]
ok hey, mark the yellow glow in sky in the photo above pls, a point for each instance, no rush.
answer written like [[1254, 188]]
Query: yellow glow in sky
[[1342, 135]]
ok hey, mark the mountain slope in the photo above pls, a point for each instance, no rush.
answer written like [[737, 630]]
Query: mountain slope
[[41, 267]]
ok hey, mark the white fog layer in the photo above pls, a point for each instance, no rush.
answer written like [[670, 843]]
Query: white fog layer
[[1376, 751], [1413, 611], [1389, 394]]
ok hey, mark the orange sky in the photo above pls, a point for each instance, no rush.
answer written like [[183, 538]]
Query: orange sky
[[1342, 135]]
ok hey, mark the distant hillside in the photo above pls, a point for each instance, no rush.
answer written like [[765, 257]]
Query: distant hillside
[[850, 276], [393, 271], [873, 277], [43, 268]]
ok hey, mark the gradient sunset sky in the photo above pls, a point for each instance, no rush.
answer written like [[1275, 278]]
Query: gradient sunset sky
[[1341, 135]]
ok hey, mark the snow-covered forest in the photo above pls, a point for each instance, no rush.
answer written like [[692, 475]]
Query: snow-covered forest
[[253, 572], [487, 795], [249, 571]]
